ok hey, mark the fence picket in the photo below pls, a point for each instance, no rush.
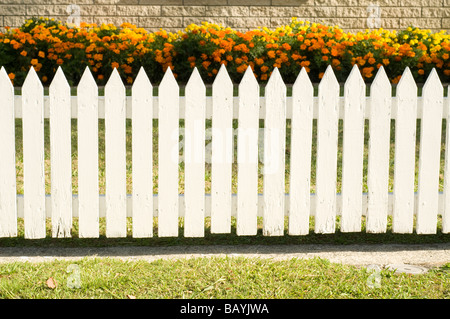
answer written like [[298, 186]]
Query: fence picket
[[61, 155], [33, 156], [405, 143], [115, 155], [168, 156], [379, 143], [194, 157], [142, 155], [446, 192], [353, 151], [300, 166], [247, 155], [274, 155], [327, 142], [8, 205], [222, 152], [429, 157], [88, 189]]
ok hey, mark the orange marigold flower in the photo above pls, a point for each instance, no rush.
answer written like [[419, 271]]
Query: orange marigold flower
[[11, 76], [23, 53], [325, 58], [34, 61], [44, 79], [264, 76], [421, 72], [115, 65], [206, 64], [271, 54], [191, 59], [385, 61], [286, 46], [259, 61], [100, 77], [229, 58], [59, 61], [372, 60], [321, 75], [264, 69], [41, 54], [238, 60]]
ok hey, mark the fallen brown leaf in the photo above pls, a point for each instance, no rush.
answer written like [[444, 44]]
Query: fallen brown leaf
[[131, 297], [51, 283]]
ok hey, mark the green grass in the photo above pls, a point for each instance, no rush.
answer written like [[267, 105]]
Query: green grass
[[218, 278]]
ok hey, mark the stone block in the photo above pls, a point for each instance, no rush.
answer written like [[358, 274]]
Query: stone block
[[161, 22], [252, 22], [133, 10], [227, 11], [183, 11]]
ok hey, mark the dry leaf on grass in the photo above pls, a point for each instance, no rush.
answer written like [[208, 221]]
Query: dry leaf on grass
[[131, 297], [51, 283]]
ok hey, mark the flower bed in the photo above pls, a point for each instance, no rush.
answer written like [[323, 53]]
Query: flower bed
[[46, 44]]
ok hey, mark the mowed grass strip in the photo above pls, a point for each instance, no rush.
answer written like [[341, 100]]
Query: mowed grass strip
[[204, 278]]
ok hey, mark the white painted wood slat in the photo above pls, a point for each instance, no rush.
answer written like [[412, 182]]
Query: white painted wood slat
[[379, 145], [300, 166], [326, 164], [8, 206], [222, 152], [61, 155], [429, 156], [405, 143], [446, 192], [194, 157], [88, 188], [142, 155], [168, 157], [115, 157], [247, 155], [33, 156], [274, 155], [353, 151]]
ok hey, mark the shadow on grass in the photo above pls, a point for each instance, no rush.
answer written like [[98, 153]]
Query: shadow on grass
[[230, 239]]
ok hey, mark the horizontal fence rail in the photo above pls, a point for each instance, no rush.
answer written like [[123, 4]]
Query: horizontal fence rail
[[411, 209]]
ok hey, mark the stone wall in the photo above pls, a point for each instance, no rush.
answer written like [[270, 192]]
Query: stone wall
[[172, 15]]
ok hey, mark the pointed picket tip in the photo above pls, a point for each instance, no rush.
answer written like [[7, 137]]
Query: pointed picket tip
[[4, 78], [248, 78], [195, 80], [142, 81], [222, 78], [381, 79], [329, 79], [168, 79], [87, 79], [114, 79], [59, 80], [32, 80], [275, 79], [303, 80], [406, 81], [433, 83], [354, 78]]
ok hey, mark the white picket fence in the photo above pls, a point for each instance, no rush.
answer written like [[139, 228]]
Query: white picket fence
[[406, 207]]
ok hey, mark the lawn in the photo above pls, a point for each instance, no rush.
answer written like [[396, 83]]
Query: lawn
[[217, 278]]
